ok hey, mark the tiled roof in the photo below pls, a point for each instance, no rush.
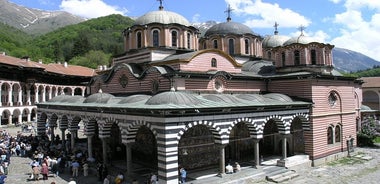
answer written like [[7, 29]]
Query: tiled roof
[[370, 82], [62, 69]]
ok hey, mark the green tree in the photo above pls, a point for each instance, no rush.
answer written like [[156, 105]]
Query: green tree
[[92, 59], [367, 132]]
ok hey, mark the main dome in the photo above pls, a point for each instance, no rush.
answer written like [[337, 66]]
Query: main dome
[[229, 28], [274, 41], [162, 17], [302, 39]]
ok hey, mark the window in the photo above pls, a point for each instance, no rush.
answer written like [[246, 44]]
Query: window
[[329, 135], [219, 84], [213, 62], [215, 44], [269, 55], [139, 40], [313, 56], [246, 46], [156, 38], [204, 45], [188, 40], [296, 57], [332, 99], [283, 58], [337, 133], [174, 38], [231, 46]]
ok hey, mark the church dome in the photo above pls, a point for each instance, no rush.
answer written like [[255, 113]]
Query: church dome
[[162, 17], [274, 41], [173, 97], [226, 28], [98, 98], [302, 39]]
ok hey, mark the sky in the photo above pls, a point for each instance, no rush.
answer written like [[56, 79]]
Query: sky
[[350, 24]]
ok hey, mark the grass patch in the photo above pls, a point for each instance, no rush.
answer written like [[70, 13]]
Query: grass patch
[[346, 161]]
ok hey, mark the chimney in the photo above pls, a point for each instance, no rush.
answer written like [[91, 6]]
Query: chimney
[[65, 64]]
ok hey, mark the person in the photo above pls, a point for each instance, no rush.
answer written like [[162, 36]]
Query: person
[[229, 169], [107, 180], [237, 167], [100, 171], [183, 175], [36, 172], [75, 167], [72, 181], [44, 171], [153, 179], [119, 178], [2, 178]]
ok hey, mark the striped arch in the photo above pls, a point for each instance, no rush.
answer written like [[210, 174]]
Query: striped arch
[[216, 131], [64, 123], [90, 126], [255, 130], [105, 127], [129, 134], [304, 119], [53, 120], [41, 124], [283, 124], [73, 124]]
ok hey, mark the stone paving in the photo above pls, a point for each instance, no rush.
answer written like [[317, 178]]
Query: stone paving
[[364, 170]]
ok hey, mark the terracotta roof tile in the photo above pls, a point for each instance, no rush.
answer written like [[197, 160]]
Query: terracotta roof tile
[[62, 69], [370, 82]]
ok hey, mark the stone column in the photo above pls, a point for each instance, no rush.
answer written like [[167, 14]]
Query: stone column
[[0, 99], [257, 152], [284, 148], [28, 97], [72, 140], [20, 97], [50, 93], [37, 96], [10, 119], [89, 147], [128, 148], [63, 137], [19, 118], [222, 164], [28, 119], [10, 95], [44, 94], [104, 146]]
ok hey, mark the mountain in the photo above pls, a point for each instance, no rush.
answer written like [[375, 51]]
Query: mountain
[[350, 61], [34, 21]]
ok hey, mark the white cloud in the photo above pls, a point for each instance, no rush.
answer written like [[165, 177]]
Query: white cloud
[[263, 15], [90, 8], [356, 33], [195, 18]]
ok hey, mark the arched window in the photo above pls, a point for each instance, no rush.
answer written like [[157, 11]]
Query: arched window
[[215, 44], [214, 62], [139, 40], [313, 55], [337, 133], [246, 46], [188, 40], [329, 135], [204, 45], [269, 55], [156, 38], [174, 38], [283, 58], [297, 57], [231, 46]]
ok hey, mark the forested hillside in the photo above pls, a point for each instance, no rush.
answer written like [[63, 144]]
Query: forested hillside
[[90, 43]]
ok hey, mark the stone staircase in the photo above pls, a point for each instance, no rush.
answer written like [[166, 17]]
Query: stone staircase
[[279, 174]]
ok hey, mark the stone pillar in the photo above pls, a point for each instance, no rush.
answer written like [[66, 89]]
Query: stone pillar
[[284, 148], [19, 118], [72, 92], [10, 95], [20, 97], [104, 146], [222, 164], [63, 137], [28, 97], [128, 148], [72, 140], [37, 96], [257, 152], [44, 94], [89, 147], [50, 93], [0, 99], [10, 119]]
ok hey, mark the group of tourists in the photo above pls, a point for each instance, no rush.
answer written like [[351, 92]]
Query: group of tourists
[[233, 169]]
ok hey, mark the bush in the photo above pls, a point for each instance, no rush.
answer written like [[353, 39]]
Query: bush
[[367, 133]]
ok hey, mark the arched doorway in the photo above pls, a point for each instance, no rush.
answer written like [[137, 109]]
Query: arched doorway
[[269, 143], [297, 140], [241, 146], [197, 149], [5, 117], [116, 146], [144, 150]]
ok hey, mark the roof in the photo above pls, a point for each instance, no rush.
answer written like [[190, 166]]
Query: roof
[[163, 17], [371, 82], [225, 28], [62, 69]]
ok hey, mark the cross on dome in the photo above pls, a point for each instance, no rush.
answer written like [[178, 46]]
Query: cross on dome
[[276, 28], [302, 28], [160, 7], [228, 11]]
